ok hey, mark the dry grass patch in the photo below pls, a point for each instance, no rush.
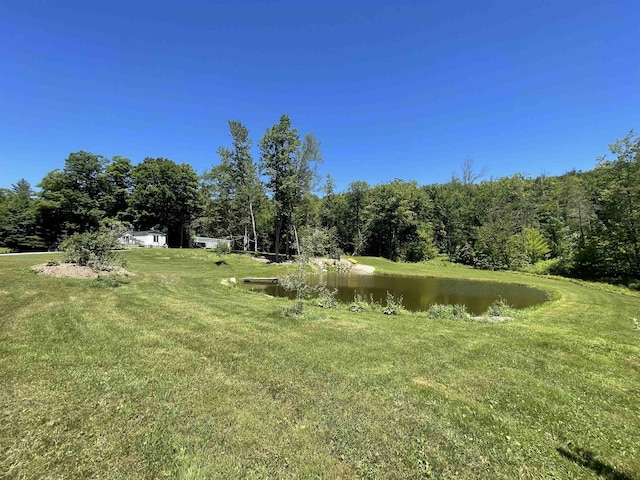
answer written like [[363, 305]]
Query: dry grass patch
[[72, 270]]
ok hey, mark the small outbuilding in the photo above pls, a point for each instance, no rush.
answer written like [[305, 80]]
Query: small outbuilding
[[207, 242], [146, 238]]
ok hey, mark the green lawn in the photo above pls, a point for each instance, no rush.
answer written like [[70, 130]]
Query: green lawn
[[171, 374]]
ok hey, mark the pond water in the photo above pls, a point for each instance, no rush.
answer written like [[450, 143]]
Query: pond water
[[419, 293]]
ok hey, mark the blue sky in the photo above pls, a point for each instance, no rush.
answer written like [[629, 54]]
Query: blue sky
[[392, 89]]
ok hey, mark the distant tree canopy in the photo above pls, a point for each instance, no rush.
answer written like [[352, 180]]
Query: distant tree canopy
[[19, 226], [165, 196], [584, 224], [232, 191]]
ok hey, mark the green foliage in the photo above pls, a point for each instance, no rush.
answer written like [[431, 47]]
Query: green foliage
[[448, 312], [535, 245], [396, 222], [517, 256], [233, 193], [352, 219], [287, 164], [313, 241], [19, 228], [71, 200], [117, 187], [422, 247], [93, 249], [165, 196], [500, 308], [222, 248], [327, 298], [358, 304], [393, 305], [617, 184], [583, 224], [545, 267], [317, 241]]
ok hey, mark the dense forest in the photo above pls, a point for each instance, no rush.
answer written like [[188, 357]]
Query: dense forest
[[582, 224]]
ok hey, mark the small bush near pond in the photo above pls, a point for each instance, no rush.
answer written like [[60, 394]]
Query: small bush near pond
[[327, 298], [358, 304], [394, 305], [500, 308], [457, 312]]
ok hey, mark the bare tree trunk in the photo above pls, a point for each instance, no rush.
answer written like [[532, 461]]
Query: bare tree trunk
[[295, 234], [279, 221], [359, 244], [253, 225]]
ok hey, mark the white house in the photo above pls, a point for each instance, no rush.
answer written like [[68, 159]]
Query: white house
[[206, 242], [147, 238]]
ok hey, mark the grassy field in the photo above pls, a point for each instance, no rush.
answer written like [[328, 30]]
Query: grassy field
[[171, 374]]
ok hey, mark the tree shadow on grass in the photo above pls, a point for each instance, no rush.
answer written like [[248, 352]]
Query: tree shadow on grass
[[587, 459]]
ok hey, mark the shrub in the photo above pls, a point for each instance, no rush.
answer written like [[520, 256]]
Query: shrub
[[327, 298], [422, 247], [394, 305], [544, 267], [500, 308], [358, 304], [311, 242], [94, 249], [457, 312], [634, 285], [222, 248]]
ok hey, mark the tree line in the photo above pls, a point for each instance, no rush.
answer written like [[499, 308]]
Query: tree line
[[582, 224]]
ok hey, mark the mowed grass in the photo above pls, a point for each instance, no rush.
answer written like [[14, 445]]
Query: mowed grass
[[171, 374]]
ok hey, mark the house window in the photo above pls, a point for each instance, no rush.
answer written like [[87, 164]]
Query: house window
[[156, 238]]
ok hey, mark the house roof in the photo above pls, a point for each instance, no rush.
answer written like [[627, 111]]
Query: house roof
[[144, 232], [208, 239]]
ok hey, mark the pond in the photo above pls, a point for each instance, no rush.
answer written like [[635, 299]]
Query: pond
[[419, 293]]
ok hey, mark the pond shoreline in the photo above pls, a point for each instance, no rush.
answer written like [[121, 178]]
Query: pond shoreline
[[345, 266]]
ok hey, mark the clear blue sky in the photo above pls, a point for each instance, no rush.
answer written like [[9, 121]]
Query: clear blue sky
[[393, 89]]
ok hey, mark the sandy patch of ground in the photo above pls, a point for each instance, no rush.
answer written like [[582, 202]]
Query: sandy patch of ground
[[325, 264], [363, 269], [71, 270], [261, 259]]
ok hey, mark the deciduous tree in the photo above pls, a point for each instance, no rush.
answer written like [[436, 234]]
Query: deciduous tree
[[165, 196]]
